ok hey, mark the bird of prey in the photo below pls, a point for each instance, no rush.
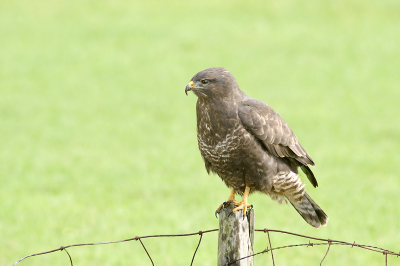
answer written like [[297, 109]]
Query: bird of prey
[[249, 146]]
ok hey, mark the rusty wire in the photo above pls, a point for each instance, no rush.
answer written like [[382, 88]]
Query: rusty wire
[[328, 242]]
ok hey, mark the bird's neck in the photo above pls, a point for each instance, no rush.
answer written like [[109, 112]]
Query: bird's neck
[[217, 107], [216, 118]]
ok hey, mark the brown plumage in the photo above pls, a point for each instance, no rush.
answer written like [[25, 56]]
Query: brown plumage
[[249, 146]]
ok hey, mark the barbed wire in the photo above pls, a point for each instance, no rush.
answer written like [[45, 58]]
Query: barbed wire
[[328, 242]]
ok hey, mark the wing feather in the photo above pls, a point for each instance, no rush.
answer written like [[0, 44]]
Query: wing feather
[[279, 140]]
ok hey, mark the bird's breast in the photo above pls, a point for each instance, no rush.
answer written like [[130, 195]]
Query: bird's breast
[[222, 146]]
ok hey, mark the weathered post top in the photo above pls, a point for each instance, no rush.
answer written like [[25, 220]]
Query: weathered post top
[[235, 237]]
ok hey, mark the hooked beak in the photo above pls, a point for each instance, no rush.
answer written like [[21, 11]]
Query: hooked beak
[[190, 87]]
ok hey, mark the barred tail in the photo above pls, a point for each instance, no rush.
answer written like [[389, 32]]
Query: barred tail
[[310, 211]]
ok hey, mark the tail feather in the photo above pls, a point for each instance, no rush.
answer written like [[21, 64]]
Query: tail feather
[[310, 211]]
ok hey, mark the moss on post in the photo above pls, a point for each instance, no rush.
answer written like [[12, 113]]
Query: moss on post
[[236, 237]]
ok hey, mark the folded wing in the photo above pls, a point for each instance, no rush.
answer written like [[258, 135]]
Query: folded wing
[[275, 134]]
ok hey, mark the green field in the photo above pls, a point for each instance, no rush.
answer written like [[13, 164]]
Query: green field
[[98, 140]]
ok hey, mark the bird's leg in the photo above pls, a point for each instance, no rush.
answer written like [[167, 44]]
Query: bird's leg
[[231, 200], [243, 205]]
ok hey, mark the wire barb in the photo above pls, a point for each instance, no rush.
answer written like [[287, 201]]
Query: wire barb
[[329, 246], [385, 253], [201, 236], [146, 251], [70, 259], [270, 246]]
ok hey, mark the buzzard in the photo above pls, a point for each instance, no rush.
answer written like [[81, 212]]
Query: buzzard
[[249, 146]]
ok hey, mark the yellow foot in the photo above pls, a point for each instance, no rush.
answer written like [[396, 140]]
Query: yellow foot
[[241, 205], [230, 200], [225, 204]]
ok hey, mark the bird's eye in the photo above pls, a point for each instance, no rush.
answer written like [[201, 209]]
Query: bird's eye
[[204, 81]]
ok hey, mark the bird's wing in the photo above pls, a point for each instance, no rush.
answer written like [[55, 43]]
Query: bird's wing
[[267, 126]]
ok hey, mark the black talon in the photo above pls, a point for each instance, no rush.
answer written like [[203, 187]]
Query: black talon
[[216, 212], [230, 213], [226, 203]]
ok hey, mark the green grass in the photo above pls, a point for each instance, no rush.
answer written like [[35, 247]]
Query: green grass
[[98, 140]]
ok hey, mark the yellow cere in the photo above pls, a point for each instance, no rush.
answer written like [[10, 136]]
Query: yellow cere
[[191, 85]]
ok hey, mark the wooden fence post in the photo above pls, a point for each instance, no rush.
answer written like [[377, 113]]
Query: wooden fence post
[[235, 237]]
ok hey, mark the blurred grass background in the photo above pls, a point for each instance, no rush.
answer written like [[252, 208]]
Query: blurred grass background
[[98, 140]]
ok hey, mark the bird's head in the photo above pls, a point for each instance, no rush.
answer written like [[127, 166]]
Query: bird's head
[[214, 83]]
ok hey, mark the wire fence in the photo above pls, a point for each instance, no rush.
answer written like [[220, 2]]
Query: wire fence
[[321, 242]]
